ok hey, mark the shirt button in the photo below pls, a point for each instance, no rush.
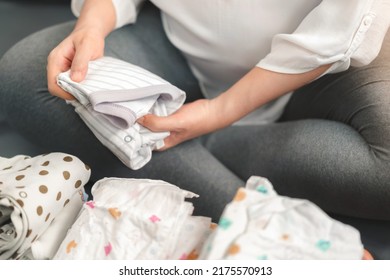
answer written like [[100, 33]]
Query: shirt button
[[367, 21], [128, 138]]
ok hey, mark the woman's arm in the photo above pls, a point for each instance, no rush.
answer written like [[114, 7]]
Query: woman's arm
[[86, 42], [334, 33], [256, 88]]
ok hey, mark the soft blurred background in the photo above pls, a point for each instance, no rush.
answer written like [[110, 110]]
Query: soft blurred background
[[19, 18]]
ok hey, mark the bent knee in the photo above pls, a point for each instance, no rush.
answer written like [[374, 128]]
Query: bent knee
[[367, 111], [34, 48]]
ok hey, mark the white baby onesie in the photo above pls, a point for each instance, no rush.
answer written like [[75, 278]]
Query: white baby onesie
[[135, 219], [113, 96], [39, 199], [260, 224]]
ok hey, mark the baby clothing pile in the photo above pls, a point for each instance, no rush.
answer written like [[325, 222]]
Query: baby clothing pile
[[40, 198], [44, 214], [113, 96], [148, 219]]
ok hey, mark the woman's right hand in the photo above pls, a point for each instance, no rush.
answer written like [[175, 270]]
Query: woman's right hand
[[74, 53]]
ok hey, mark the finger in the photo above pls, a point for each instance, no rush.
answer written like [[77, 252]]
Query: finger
[[53, 69], [367, 255], [159, 124], [80, 61], [59, 92], [169, 142]]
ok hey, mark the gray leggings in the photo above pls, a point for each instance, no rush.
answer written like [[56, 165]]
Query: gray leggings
[[331, 146]]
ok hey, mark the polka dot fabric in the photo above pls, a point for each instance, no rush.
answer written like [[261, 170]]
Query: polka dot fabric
[[33, 193], [260, 224]]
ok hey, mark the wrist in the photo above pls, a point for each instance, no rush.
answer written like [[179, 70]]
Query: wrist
[[97, 16], [89, 30], [219, 113]]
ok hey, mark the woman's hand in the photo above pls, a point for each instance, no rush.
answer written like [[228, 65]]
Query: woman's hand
[[86, 42], [74, 52], [190, 121]]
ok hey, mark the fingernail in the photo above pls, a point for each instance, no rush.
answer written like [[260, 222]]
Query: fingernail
[[75, 75], [141, 120]]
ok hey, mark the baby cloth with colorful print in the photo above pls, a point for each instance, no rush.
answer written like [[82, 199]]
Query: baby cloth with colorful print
[[151, 219], [260, 224], [135, 219]]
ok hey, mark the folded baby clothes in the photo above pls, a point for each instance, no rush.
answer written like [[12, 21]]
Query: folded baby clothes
[[260, 224], [40, 198], [135, 219], [113, 96]]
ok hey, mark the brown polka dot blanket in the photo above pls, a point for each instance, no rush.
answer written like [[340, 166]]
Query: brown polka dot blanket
[[40, 198]]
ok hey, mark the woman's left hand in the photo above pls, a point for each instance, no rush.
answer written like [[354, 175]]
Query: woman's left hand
[[190, 121]]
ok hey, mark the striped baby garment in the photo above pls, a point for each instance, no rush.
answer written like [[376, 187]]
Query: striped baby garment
[[113, 96]]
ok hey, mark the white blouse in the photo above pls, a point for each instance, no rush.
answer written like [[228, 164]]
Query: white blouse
[[223, 39]]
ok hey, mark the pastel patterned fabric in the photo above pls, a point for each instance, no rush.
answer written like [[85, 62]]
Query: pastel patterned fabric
[[113, 96], [39, 199], [136, 219], [260, 224], [149, 219]]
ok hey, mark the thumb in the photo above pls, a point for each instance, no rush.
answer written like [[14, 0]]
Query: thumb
[[79, 66], [157, 123], [78, 72]]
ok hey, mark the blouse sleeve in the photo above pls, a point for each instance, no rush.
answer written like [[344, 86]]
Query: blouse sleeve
[[337, 32], [126, 10]]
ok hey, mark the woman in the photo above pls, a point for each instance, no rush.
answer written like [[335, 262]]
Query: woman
[[328, 141]]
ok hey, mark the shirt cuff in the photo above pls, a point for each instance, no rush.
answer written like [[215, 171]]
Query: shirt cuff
[[330, 34]]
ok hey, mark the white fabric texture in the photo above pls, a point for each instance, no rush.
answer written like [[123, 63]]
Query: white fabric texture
[[135, 219], [223, 40], [149, 220], [113, 96], [39, 199], [260, 224]]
